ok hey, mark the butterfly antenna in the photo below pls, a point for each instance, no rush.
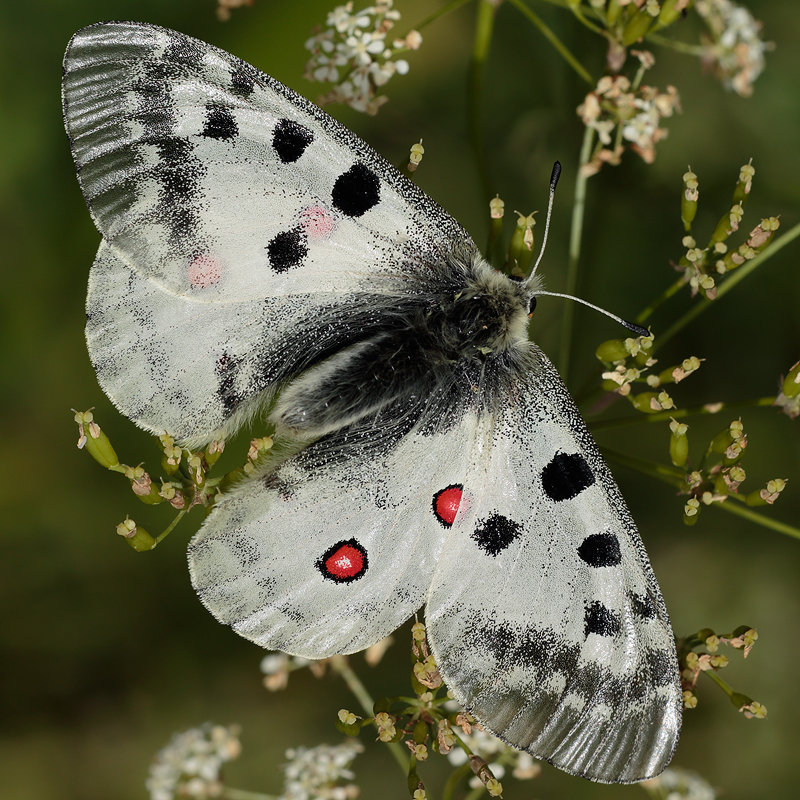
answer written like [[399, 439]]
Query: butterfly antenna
[[554, 176], [631, 326]]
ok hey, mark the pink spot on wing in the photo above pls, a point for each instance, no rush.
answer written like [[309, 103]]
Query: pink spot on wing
[[204, 271], [317, 222]]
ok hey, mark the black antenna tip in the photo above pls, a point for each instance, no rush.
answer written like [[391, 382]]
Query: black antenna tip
[[637, 329], [555, 175]]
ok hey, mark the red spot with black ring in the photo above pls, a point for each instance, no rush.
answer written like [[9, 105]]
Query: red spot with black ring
[[344, 562], [446, 502]]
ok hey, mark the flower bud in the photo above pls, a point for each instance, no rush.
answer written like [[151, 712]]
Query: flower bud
[[670, 11], [636, 27], [689, 198], [347, 723], [214, 451], [94, 440], [745, 183], [420, 733], [612, 350], [138, 538], [644, 402], [613, 10], [678, 443], [520, 251], [691, 511], [755, 499], [496, 211], [722, 441], [415, 156], [791, 386]]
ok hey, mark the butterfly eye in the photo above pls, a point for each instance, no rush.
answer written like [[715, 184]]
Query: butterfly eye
[[532, 306]]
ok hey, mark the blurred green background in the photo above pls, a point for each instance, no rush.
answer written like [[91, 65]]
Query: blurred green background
[[106, 652]]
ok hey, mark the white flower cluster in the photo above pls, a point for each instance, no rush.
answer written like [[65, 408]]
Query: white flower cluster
[[638, 113], [316, 772], [735, 51], [352, 53], [675, 783], [490, 748], [189, 766]]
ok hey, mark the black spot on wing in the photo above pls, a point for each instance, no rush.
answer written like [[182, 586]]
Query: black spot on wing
[[287, 249], [495, 534], [566, 476], [600, 620], [661, 664], [219, 123], [600, 550], [226, 372], [356, 191], [643, 605], [182, 50], [245, 551], [179, 172], [241, 83], [548, 653], [290, 140]]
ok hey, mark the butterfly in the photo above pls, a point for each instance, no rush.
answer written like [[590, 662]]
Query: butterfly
[[258, 257]]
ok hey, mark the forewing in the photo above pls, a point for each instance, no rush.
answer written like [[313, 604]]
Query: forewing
[[335, 548], [222, 195], [217, 181], [544, 615]]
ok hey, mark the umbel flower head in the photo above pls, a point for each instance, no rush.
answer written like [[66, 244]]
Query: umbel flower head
[[190, 765], [352, 53], [317, 772], [635, 112], [734, 50]]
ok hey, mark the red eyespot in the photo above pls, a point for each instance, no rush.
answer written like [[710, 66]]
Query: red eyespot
[[317, 223], [204, 271], [344, 562], [446, 503]]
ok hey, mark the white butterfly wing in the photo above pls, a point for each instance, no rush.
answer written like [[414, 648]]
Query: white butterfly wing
[[335, 548], [216, 184], [544, 615]]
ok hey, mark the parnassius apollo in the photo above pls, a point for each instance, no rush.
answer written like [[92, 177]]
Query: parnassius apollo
[[252, 245]]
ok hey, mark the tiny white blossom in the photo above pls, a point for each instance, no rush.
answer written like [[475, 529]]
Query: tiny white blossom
[[353, 55], [189, 766], [675, 783], [735, 50], [316, 772]]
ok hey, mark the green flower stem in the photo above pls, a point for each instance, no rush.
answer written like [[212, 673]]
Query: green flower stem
[[679, 413], [753, 516], [681, 47], [721, 683], [675, 477], [555, 41], [240, 794], [446, 9], [578, 13], [666, 474], [456, 776], [484, 26], [341, 665], [168, 529], [732, 280], [662, 298], [574, 253]]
